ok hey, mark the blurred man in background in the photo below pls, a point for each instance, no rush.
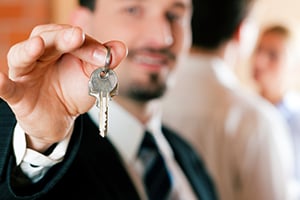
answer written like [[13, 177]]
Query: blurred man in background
[[274, 62], [242, 138]]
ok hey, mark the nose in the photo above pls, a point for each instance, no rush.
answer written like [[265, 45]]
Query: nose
[[159, 33]]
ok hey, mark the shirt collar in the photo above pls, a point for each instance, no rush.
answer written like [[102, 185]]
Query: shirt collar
[[289, 104], [126, 132], [218, 68], [224, 73]]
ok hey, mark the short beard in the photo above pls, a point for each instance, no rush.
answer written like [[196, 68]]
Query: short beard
[[143, 94]]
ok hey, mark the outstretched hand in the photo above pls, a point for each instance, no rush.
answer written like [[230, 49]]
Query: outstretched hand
[[47, 82]]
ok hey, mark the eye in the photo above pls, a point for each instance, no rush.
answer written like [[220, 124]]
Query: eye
[[134, 10], [171, 16], [273, 55]]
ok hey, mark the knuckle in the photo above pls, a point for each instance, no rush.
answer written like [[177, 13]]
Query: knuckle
[[10, 55], [39, 29]]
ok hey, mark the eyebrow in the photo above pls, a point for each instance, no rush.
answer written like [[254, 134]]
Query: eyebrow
[[182, 5]]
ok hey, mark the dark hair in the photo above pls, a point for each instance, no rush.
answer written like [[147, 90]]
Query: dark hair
[[215, 21], [90, 4]]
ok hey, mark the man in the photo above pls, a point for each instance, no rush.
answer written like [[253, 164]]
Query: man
[[273, 64], [237, 133], [61, 155]]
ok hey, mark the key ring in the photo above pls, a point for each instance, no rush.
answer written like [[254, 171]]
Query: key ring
[[107, 59]]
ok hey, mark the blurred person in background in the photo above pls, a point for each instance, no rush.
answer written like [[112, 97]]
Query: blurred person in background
[[241, 136], [273, 63]]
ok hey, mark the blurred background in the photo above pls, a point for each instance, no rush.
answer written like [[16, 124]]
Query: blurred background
[[18, 17]]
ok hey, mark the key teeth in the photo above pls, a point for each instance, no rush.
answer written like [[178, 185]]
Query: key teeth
[[103, 133]]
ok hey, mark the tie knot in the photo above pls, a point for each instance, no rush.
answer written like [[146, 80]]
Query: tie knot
[[148, 149], [148, 142]]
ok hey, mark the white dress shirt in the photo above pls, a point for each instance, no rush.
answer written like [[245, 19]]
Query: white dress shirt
[[34, 164], [289, 107]]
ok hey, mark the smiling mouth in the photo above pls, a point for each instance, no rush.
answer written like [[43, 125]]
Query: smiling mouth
[[151, 60], [152, 57]]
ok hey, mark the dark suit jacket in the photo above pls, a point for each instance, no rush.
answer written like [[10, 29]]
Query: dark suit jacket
[[92, 168]]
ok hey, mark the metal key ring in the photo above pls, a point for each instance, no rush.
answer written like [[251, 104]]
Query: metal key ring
[[107, 59]]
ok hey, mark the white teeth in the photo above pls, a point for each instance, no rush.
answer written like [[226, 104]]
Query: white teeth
[[148, 60]]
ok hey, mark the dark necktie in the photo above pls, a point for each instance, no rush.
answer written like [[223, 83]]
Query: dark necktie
[[156, 177]]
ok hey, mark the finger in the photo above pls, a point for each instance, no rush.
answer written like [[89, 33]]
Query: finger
[[47, 27], [95, 54], [22, 55], [58, 42], [118, 52], [43, 46], [34, 47], [96, 57]]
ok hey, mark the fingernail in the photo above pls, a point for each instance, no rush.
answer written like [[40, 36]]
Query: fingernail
[[100, 55]]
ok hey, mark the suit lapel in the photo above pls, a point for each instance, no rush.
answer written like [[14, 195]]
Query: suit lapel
[[112, 165], [192, 165], [7, 124]]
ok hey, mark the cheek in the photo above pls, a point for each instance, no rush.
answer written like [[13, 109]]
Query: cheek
[[102, 36], [105, 32], [186, 39], [271, 76], [274, 68], [262, 75], [182, 38]]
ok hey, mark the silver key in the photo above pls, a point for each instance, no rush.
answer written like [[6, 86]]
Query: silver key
[[103, 85]]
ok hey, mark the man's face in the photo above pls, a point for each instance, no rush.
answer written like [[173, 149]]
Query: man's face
[[270, 61], [156, 32]]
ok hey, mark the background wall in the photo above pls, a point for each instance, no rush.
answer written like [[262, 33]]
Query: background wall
[[61, 9], [17, 17], [268, 10]]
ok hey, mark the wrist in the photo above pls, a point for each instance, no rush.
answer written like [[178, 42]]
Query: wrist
[[41, 145], [37, 144]]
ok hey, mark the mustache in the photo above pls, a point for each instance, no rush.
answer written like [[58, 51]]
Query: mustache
[[163, 52]]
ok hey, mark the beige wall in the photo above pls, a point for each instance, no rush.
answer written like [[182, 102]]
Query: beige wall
[[268, 10]]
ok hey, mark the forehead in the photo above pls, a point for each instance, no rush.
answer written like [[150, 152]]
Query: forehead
[[274, 39], [275, 34]]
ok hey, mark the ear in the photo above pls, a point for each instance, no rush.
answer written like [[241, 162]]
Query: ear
[[238, 32], [246, 36], [81, 17]]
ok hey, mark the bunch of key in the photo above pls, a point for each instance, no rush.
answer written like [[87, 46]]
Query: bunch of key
[[103, 85]]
